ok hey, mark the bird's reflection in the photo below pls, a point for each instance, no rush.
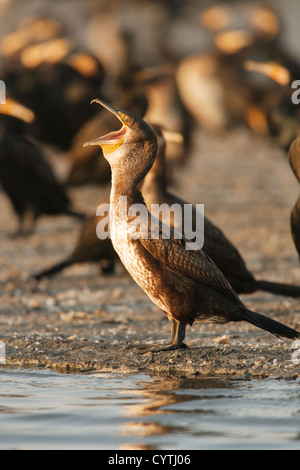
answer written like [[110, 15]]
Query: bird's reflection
[[160, 397]]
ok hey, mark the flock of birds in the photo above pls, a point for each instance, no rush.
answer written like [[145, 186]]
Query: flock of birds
[[244, 80]]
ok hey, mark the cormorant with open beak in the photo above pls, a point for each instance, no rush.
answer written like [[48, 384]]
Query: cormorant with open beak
[[185, 284]]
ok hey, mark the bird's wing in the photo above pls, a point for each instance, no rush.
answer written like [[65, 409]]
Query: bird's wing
[[224, 253], [217, 246], [172, 252]]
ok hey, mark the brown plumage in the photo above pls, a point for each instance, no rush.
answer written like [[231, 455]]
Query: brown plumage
[[185, 284], [216, 245], [294, 159], [89, 247]]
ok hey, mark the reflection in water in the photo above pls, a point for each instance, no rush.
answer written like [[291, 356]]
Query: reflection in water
[[47, 410], [158, 395]]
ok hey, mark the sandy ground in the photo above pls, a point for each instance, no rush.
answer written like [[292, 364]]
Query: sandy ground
[[81, 320]]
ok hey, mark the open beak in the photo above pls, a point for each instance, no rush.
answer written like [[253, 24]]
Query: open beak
[[110, 142]]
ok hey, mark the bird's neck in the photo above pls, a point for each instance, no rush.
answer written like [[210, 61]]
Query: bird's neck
[[123, 197], [296, 169], [126, 181], [125, 190], [126, 202]]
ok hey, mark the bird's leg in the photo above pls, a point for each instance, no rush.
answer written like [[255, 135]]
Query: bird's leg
[[20, 231], [174, 327], [177, 337], [177, 334], [26, 224], [107, 266], [29, 222]]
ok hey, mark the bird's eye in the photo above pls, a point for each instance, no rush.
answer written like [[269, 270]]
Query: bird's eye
[[126, 119]]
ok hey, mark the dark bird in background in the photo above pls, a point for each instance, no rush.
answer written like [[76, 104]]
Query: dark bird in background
[[165, 108], [185, 284], [294, 159], [282, 114], [219, 86], [46, 72], [91, 246], [263, 64], [25, 174], [213, 83]]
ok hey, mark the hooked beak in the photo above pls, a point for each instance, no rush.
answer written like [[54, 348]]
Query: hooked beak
[[110, 142]]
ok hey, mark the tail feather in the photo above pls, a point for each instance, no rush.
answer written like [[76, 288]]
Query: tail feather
[[54, 269], [272, 326], [287, 290]]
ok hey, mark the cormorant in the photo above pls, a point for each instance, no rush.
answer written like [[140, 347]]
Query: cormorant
[[25, 174], [45, 71], [281, 111], [185, 284], [91, 248], [216, 87]]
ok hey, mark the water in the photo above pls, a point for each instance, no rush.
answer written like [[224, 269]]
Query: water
[[42, 409]]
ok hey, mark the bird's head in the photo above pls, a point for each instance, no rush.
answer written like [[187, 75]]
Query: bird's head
[[131, 150]]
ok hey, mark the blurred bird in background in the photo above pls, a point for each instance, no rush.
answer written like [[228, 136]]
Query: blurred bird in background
[[25, 174], [44, 70]]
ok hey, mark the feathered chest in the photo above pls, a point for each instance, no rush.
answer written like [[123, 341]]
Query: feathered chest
[[126, 243], [141, 265]]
